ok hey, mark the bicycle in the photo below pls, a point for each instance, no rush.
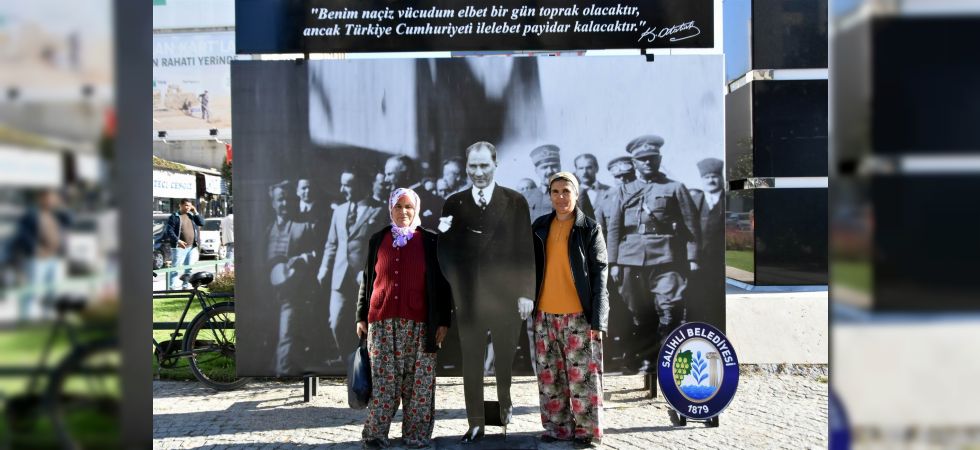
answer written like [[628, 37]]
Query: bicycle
[[83, 391], [209, 342]]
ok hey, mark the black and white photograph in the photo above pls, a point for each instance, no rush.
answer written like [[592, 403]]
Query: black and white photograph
[[321, 144]]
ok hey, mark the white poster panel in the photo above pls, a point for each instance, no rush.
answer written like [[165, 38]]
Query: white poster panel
[[28, 168], [192, 80], [214, 185]]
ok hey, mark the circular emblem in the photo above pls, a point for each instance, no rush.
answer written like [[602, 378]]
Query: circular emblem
[[697, 370]]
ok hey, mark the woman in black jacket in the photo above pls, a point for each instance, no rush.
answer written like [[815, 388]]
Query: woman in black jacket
[[403, 308], [571, 312]]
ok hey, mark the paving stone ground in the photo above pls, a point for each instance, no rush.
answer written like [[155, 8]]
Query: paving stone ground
[[769, 411]]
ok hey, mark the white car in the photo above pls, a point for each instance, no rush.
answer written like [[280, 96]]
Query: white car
[[210, 235]]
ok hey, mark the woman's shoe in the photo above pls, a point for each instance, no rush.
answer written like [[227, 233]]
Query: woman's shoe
[[373, 444], [474, 434]]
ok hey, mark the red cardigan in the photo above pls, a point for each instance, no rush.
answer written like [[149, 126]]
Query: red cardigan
[[399, 288]]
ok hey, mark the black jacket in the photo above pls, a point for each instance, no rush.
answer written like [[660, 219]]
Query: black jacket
[[587, 257], [438, 296], [172, 233]]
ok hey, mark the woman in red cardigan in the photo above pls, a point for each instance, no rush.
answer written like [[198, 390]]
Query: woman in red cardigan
[[404, 308]]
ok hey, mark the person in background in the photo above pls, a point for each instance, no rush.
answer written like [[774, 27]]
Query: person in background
[[228, 234], [183, 234], [454, 175], [291, 259], [404, 309], [571, 312], [38, 247], [525, 185], [586, 168], [653, 246], [344, 254], [399, 170]]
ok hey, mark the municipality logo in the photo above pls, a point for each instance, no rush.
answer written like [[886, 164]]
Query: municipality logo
[[698, 370]]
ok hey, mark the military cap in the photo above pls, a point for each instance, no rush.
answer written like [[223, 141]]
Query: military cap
[[620, 165], [546, 154], [710, 165], [642, 146], [568, 176]]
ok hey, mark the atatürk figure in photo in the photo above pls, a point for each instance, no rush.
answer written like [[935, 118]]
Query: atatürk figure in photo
[[487, 255]]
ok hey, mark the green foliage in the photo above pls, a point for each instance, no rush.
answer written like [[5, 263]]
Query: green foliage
[[161, 163], [226, 174]]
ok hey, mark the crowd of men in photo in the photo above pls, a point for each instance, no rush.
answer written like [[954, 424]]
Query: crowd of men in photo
[[665, 240]]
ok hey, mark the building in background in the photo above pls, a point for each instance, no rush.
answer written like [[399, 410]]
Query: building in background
[[193, 46], [776, 142]]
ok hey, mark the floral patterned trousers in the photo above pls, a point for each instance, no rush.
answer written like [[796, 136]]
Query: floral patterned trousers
[[569, 376], [401, 370]]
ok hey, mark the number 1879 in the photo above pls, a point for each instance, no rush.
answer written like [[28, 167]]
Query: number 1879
[[698, 409]]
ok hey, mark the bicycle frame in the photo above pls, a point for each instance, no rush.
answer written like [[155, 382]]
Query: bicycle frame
[[168, 349], [41, 369]]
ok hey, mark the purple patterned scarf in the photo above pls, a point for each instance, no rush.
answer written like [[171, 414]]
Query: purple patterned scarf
[[402, 235]]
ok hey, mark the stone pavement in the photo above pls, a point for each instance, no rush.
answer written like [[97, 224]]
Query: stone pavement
[[769, 411]]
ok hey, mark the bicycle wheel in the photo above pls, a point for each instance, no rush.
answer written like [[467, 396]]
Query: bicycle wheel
[[211, 341], [84, 397]]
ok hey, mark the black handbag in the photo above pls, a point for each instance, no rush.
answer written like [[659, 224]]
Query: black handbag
[[359, 377]]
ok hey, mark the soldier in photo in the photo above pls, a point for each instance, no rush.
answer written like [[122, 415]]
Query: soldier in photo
[[621, 168], [653, 246], [547, 162]]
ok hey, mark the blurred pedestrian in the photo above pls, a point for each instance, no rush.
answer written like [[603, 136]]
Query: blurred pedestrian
[[38, 247]]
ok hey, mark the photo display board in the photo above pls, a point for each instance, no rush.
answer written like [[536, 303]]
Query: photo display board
[[312, 138]]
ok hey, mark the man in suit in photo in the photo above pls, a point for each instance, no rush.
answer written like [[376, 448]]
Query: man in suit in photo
[[487, 255], [586, 169], [352, 224], [707, 304], [291, 259]]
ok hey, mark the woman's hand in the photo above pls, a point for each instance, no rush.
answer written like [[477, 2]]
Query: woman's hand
[[595, 334], [362, 329], [441, 335]]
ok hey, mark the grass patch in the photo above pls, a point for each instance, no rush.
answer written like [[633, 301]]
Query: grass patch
[[740, 259], [854, 275], [29, 425]]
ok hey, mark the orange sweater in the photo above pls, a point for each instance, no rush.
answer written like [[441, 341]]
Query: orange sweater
[[558, 294]]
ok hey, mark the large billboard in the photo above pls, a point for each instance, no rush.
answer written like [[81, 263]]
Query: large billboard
[[317, 26], [300, 126], [192, 80]]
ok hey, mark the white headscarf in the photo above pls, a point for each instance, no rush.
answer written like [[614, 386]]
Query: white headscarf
[[402, 235]]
